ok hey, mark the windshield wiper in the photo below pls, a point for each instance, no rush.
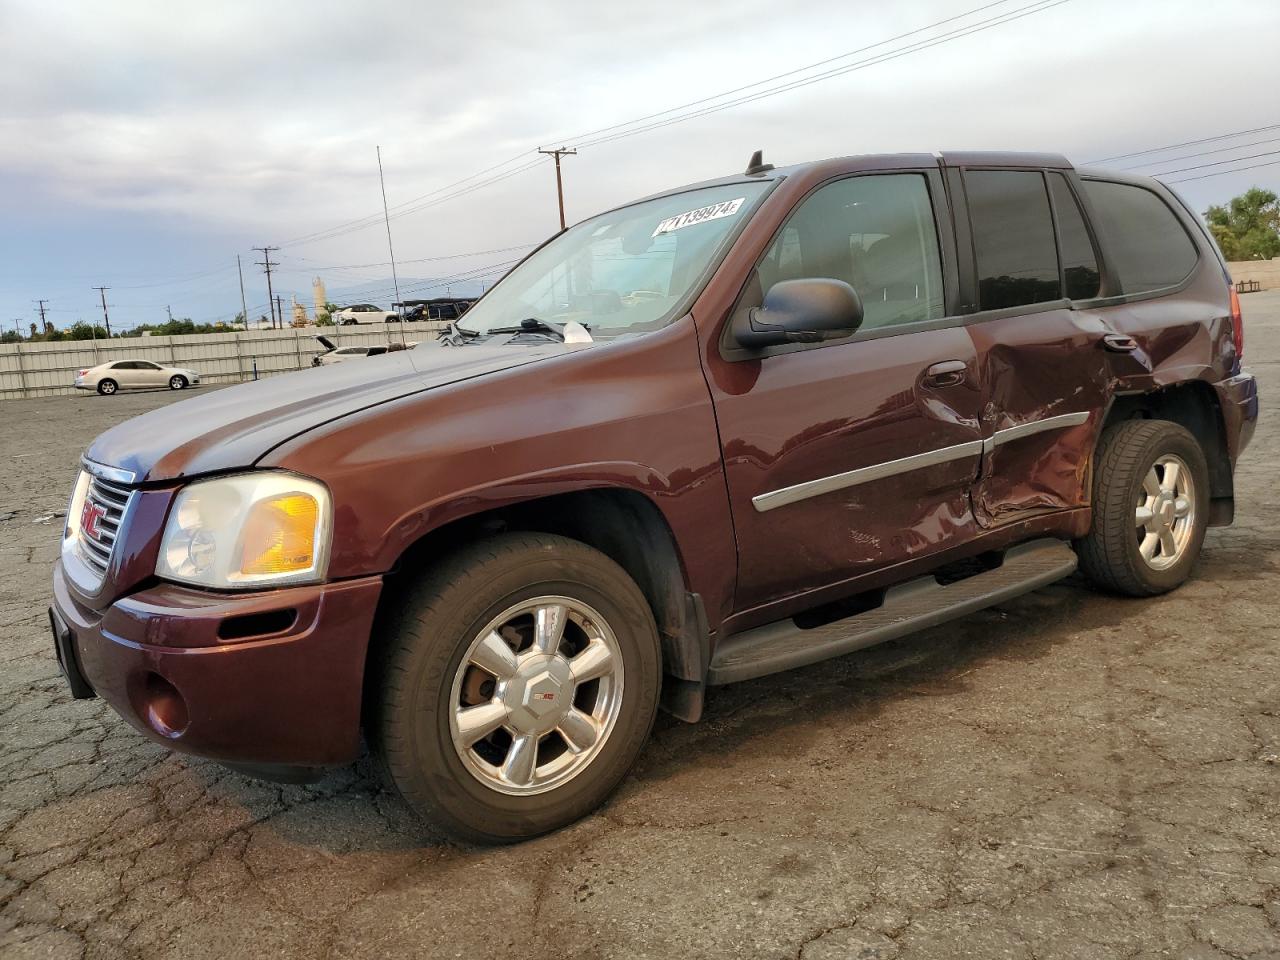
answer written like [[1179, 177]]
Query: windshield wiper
[[534, 325], [453, 335]]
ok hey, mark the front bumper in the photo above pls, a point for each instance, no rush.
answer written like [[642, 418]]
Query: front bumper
[[186, 668]]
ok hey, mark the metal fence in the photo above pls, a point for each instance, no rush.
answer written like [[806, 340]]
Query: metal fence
[[47, 369]]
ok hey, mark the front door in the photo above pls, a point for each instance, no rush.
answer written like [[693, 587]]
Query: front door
[[846, 457]]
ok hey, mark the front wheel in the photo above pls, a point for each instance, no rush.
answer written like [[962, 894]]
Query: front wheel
[[519, 685], [1150, 508], [177, 382]]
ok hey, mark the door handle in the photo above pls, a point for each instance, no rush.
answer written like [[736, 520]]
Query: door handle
[[946, 373], [1119, 343]]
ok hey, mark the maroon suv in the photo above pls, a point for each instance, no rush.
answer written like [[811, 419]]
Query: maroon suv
[[728, 430]]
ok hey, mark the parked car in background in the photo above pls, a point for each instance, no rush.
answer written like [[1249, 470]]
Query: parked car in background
[[364, 313], [438, 308], [872, 394], [107, 378], [335, 354]]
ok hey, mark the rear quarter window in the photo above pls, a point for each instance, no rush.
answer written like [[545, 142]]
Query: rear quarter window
[[1143, 239]]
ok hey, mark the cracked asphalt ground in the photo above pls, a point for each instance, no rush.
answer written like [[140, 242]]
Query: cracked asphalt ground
[[1065, 776]]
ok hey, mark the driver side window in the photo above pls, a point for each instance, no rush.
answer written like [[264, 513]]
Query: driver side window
[[877, 234]]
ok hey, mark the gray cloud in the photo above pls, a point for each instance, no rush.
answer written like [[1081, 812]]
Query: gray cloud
[[244, 122]]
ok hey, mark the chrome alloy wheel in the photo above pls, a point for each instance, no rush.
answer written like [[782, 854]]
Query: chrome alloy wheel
[[536, 695], [1165, 517]]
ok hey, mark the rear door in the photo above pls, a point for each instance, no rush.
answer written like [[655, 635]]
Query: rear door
[[848, 456], [1042, 369]]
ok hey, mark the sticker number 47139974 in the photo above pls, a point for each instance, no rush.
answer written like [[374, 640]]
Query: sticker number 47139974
[[713, 211]]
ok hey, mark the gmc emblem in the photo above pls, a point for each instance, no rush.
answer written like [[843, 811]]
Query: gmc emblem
[[89, 517], [544, 696]]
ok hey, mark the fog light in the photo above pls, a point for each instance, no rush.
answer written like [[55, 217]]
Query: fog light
[[163, 708]]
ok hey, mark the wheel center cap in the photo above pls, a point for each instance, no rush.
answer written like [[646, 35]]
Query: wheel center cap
[[1165, 510], [540, 694]]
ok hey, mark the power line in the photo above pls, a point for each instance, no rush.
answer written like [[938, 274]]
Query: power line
[[1218, 163], [1187, 143], [788, 73], [950, 36], [336, 232], [1202, 153], [441, 195], [1219, 173]]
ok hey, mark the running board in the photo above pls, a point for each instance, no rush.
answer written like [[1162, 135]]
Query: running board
[[915, 605]]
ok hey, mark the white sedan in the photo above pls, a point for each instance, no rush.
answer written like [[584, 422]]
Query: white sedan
[[364, 313], [107, 378]]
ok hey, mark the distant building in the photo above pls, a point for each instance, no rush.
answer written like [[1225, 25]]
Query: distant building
[[318, 297]]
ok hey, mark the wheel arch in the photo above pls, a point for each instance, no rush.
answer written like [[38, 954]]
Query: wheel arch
[[626, 526], [1194, 405]]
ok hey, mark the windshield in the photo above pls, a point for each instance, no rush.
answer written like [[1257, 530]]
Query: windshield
[[623, 271]]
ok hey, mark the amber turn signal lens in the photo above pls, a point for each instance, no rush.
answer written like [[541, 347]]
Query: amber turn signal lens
[[280, 535]]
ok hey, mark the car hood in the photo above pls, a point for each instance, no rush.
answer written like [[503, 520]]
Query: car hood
[[234, 428]]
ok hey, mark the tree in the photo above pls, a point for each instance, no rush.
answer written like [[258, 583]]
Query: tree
[[1247, 228], [86, 331], [324, 318]]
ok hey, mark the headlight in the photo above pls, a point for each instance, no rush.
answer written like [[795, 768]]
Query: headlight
[[76, 507], [254, 529]]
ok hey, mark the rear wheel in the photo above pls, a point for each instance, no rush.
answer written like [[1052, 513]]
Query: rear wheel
[[519, 686], [1150, 508], [177, 382], [107, 387]]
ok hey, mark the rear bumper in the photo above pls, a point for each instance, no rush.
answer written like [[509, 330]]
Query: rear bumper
[[1238, 398], [286, 697]]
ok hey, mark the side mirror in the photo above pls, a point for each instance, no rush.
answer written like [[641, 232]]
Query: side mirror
[[800, 311]]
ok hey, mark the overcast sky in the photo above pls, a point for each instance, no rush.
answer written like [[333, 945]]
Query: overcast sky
[[143, 145]]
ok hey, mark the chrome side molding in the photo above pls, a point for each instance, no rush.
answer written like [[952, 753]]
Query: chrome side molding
[[815, 488], [1033, 427]]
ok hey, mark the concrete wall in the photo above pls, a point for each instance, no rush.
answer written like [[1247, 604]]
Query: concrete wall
[[1266, 272], [44, 369]]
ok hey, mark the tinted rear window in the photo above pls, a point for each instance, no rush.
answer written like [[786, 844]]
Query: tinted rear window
[[1079, 262], [1141, 238], [1012, 238]]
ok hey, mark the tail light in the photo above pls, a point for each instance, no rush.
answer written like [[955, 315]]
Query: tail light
[[1237, 325], [83, 372]]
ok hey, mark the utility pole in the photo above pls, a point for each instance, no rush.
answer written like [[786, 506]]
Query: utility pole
[[102, 291], [266, 264], [280, 311], [244, 307], [561, 152], [169, 310], [387, 219], [41, 309]]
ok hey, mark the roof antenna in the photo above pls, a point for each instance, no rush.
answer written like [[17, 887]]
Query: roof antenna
[[756, 164]]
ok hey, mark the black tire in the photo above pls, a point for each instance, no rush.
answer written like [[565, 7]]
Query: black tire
[[1109, 554], [429, 629], [177, 382], [107, 387]]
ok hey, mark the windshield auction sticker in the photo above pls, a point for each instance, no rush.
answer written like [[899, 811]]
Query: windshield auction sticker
[[713, 212]]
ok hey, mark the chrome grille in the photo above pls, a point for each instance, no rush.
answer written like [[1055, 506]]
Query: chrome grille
[[111, 499]]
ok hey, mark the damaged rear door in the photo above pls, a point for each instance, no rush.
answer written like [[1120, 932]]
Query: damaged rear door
[[1041, 355]]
